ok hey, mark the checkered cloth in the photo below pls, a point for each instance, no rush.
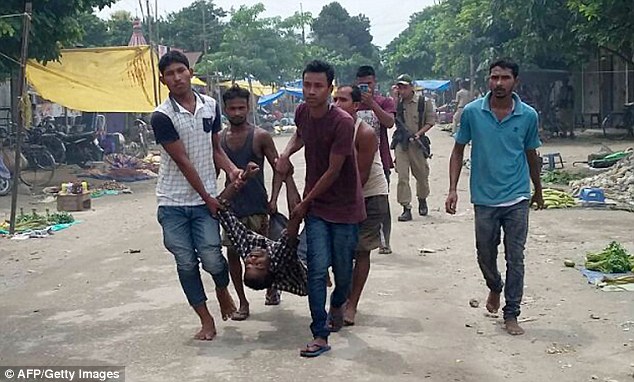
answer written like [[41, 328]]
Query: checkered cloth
[[289, 273]]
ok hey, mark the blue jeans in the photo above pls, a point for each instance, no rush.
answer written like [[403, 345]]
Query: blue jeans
[[192, 235], [513, 220], [329, 244]]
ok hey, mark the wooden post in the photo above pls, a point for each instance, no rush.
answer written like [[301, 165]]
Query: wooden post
[[254, 107], [26, 27], [472, 76]]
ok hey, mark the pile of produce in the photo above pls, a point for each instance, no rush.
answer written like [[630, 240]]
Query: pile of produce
[[617, 182], [35, 221], [557, 199], [152, 161], [613, 259], [116, 161], [113, 185], [559, 177]]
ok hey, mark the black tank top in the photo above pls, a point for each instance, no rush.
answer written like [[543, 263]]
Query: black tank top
[[252, 198]]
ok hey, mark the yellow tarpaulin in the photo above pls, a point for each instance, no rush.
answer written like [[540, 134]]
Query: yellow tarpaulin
[[258, 88], [113, 79], [197, 81]]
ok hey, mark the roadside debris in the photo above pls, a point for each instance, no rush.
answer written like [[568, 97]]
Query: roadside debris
[[617, 182]]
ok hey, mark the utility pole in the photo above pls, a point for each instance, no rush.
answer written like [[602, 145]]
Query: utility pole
[[471, 75], [204, 35], [149, 30], [301, 13], [156, 21], [26, 27]]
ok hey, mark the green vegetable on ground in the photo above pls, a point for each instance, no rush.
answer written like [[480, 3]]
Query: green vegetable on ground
[[613, 259], [559, 177]]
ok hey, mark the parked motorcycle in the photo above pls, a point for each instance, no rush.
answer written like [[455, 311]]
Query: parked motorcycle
[[82, 148]]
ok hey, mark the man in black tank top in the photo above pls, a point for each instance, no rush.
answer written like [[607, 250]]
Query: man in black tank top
[[246, 143]]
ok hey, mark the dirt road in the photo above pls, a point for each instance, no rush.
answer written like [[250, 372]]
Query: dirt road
[[78, 298]]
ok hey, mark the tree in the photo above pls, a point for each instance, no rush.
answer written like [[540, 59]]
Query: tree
[[264, 48], [412, 51], [95, 30], [536, 33], [344, 41], [196, 28], [55, 25], [119, 28], [606, 23]]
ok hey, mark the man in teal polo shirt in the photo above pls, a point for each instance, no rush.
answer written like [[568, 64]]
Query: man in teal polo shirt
[[503, 132]]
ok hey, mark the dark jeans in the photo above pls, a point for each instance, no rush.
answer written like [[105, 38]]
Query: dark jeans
[[329, 244], [513, 220], [386, 224], [192, 235]]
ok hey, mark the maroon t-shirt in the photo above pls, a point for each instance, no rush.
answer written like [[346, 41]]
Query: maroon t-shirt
[[369, 117], [333, 133]]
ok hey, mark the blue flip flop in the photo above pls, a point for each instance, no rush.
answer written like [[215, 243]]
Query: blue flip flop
[[315, 353]]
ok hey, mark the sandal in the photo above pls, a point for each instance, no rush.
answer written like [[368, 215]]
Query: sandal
[[273, 297], [240, 315], [318, 350]]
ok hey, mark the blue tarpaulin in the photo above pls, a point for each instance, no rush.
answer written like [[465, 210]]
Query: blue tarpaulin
[[434, 85], [267, 99]]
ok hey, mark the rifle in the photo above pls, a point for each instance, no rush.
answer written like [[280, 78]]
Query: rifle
[[403, 136]]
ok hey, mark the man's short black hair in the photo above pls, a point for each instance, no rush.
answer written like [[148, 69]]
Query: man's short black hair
[[355, 92], [236, 92], [257, 281], [365, 70], [506, 63], [171, 57], [318, 66]]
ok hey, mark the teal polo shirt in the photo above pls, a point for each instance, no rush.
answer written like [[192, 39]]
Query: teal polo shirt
[[499, 168]]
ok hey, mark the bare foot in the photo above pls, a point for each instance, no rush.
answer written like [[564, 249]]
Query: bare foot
[[241, 314], [512, 327], [349, 315], [493, 302], [335, 319], [227, 307], [207, 332]]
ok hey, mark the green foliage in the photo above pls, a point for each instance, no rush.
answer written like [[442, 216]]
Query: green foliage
[[268, 49], [119, 29], [549, 34], [412, 51], [184, 29], [55, 24], [95, 30], [344, 41], [607, 23]]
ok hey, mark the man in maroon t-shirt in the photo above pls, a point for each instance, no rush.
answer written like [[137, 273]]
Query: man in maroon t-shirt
[[378, 112], [333, 204]]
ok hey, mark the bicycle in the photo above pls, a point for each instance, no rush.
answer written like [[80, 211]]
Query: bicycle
[[37, 163], [620, 120]]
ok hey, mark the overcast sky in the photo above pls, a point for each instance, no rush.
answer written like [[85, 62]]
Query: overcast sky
[[388, 18]]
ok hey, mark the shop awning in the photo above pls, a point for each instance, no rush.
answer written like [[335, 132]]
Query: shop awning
[[433, 85], [112, 79], [267, 99]]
